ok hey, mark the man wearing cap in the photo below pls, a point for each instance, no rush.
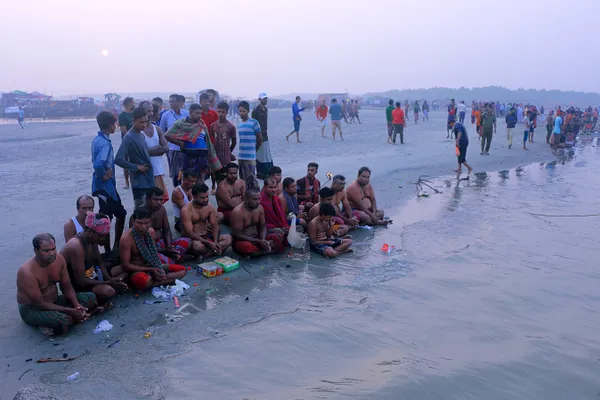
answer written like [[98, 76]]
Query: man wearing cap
[[264, 159], [84, 263]]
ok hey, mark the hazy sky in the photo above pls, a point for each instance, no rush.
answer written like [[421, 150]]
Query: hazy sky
[[243, 47]]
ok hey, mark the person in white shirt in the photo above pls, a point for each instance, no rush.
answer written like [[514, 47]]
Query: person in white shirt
[[462, 110]]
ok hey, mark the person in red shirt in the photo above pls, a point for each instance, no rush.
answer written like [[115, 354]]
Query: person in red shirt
[[207, 116], [322, 113], [398, 122]]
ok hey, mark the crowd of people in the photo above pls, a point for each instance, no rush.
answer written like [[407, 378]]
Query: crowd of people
[[199, 143]]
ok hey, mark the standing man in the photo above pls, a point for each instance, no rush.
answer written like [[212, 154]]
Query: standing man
[[425, 111], [296, 110], [451, 117], [462, 111], [399, 122], [209, 116], [511, 122], [322, 113], [558, 121], [355, 109], [528, 124], [462, 142], [167, 120], [488, 127], [336, 111], [133, 156], [250, 142], [157, 146], [104, 185], [416, 109], [549, 126], [223, 136], [388, 118], [21, 118], [264, 159], [125, 124]]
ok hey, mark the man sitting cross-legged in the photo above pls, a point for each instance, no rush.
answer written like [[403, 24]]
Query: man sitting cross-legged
[[169, 251], [140, 258], [230, 191], [250, 229], [320, 232], [37, 294], [361, 198], [289, 202], [200, 224], [84, 263]]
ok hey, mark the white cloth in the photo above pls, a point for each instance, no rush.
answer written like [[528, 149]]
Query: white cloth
[[461, 107], [177, 210], [78, 227], [156, 161], [263, 154]]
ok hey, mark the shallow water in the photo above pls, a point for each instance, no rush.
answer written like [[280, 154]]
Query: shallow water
[[490, 292]]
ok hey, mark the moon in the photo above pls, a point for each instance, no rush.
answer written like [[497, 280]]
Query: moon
[[104, 52]]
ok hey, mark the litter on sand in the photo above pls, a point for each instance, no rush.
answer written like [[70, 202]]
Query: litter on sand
[[103, 326], [367, 227], [168, 292], [72, 377]]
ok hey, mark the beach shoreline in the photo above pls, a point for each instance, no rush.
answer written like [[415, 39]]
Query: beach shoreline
[[395, 169]]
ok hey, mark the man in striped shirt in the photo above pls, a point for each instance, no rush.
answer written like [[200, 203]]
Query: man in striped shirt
[[250, 141]]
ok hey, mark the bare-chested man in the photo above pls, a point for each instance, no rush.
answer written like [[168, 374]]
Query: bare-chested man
[[230, 192], [250, 229], [74, 225], [289, 201], [140, 258], [84, 263], [344, 213], [200, 224], [182, 195], [326, 196], [37, 294], [361, 198], [321, 233], [170, 251]]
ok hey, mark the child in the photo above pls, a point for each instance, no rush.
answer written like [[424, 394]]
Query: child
[[320, 232]]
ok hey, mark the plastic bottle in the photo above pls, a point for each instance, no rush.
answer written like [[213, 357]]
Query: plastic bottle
[[72, 377]]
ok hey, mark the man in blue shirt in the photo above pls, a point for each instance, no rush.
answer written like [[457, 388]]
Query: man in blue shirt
[[462, 142], [297, 118], [168, 118], [336, 117], [21, 118], [104, 185]]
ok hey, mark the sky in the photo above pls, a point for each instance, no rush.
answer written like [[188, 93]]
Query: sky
[[243, 47]]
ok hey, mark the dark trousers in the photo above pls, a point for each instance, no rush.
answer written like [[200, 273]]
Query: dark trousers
[[486, 138], [398, 129]]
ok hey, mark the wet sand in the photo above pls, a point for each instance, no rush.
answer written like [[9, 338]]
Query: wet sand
[[315, 328]]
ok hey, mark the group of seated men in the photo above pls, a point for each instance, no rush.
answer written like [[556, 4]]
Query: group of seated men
[[148, 255]]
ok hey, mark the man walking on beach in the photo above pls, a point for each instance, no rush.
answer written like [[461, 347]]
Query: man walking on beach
[[125, 123], [21, 118], [399, 122], [425, 111], [296, 110], [511, 122], [462, 142], [264, 159], [488, 127], [336, 113], [388, 118], [167, 120], [133, 155], [322, 112], [462, 111]]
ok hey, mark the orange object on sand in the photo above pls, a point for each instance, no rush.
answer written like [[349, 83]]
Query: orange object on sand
[[385, 247], [195, 284], [226, 279]]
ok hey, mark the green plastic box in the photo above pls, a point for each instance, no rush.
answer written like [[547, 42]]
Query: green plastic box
[[227, 263]]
